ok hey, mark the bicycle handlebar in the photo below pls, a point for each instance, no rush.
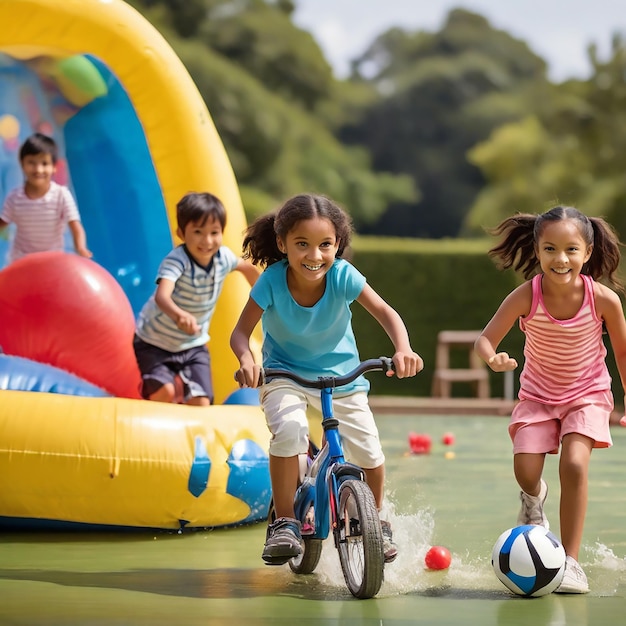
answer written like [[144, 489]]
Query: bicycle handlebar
[[384, 363]]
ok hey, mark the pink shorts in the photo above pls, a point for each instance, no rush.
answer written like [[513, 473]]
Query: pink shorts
[[539, 428]]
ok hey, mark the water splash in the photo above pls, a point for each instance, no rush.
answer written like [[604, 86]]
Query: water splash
[[413, 534]]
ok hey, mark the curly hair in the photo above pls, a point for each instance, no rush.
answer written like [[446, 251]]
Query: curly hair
[[260, 244]]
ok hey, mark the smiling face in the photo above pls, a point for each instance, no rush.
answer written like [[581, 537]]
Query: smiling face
[[562, 251], [202, 241], [310, 246], [38, 171]]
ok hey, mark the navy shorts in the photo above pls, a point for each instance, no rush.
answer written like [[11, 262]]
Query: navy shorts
[[158, 367]]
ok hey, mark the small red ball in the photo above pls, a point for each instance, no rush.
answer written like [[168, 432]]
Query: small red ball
[[419, 443], [438, 557], [447, 439]]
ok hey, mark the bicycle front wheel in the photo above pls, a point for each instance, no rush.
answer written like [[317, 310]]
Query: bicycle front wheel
[[360, 541]]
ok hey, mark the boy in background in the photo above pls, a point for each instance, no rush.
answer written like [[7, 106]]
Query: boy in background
[[173, 327], [41, 208]]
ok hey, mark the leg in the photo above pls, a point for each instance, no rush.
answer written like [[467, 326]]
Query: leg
[[376, 480], [573, 473], [195, 376], [573, 468], [157, 378], [199, 401], [285, 412], [282, 541], [528, 469], [284, 472], [165, 393]]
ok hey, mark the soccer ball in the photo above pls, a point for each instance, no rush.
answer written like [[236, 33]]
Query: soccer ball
[[529, 560]]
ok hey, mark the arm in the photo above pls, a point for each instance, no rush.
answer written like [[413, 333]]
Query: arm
[[80, 239], [250, 271], [514, 306], [163, 297], [609, 308], [407, 362], [248, 373]]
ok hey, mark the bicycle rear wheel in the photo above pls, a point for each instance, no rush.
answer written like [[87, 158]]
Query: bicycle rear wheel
[[360, 540], [310, 557]]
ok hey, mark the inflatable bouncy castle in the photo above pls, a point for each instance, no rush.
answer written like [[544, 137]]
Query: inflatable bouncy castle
[[77, 444]]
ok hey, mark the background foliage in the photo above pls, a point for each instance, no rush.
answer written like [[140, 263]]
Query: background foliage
[[435, 134]]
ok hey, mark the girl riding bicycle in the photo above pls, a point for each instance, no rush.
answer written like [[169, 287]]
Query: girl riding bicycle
[[303, 299]]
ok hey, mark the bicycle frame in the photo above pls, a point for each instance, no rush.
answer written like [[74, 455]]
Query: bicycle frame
[[320, 486]]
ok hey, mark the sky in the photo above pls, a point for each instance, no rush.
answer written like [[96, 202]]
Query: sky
[[557, 30]]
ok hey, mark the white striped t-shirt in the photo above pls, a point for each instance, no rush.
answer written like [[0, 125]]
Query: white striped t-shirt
[[196, 290], [564, 359], [40, 223]]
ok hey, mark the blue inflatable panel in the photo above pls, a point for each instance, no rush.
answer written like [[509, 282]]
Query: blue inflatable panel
[[249, 478], [20, 374]]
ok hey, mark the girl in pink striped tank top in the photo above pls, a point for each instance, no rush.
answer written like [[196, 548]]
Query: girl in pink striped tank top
[[565, 397]]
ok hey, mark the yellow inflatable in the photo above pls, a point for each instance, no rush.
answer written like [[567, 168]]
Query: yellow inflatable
[[120, 462], [135, 136]]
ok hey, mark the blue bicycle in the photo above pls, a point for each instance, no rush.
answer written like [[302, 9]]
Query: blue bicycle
[[333, 494]]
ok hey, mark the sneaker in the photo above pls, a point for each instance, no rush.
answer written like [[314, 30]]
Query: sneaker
[[282, 541], [390, 550], [574, 579], [531, 511]]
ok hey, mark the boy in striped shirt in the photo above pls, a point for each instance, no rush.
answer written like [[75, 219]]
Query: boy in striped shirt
[[173, 326], [41, 208]]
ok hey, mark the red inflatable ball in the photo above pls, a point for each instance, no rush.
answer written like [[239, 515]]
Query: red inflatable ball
[[420, 443], [67, 311]]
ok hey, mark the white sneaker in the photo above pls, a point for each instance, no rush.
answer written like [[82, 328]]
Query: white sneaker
[[574, 579], [531, 511], [390, 550]]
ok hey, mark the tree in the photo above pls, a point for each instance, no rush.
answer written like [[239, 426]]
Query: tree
[[261, 39], [569, 150], [278, 147], [431, 88]]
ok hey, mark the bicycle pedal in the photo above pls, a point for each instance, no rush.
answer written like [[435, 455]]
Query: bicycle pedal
[[276, 560]]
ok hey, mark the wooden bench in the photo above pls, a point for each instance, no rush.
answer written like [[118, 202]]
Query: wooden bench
[[443, 377]]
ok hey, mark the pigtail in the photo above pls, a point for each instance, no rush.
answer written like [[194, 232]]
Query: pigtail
[[517, 248], [606, 255], [259, 244]]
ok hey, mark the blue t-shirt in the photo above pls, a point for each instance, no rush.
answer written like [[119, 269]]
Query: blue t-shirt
[[311, 341], [196, 290]]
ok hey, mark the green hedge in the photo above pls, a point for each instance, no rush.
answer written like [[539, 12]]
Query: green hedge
[[435, 285]]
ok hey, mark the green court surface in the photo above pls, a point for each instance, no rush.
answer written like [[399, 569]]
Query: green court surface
[[462, 500]]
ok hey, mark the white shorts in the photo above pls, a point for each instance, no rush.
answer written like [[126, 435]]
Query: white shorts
[[288, 406]]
